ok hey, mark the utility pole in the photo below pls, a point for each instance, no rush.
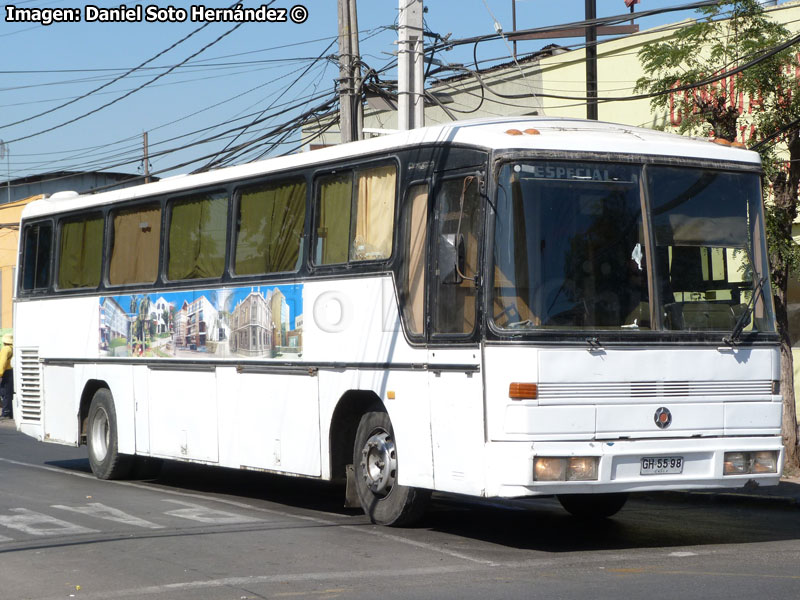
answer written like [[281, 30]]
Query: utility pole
[[591, 31], [5, 152], [350, 109], [591, 60], [146, 160], [410, 67], [355, 65]]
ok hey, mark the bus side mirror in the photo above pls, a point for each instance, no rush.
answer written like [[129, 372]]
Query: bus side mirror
[[452, 258]]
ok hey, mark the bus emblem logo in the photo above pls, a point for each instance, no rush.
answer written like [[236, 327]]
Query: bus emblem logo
[[663, 418]]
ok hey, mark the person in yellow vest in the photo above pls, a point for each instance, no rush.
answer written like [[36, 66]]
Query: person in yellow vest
[[7, 379]]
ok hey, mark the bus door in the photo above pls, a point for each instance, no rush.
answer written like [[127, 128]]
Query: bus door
[[454, 378]]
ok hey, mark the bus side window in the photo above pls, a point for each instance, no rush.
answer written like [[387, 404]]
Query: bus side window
[[135, 244], [458, 227], [269, 232], [80, 253], [333, 218], [198, 230], [358, 227], [372, 238], [36, 257], [416, 223]]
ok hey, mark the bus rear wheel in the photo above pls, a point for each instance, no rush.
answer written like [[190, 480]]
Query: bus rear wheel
[[102, 438], [593, 506], [375, 464]]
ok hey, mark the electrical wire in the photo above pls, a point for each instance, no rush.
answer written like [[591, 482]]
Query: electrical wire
[[105, 85], [131, 92]]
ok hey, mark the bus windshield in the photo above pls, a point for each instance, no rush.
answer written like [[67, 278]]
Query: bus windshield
[[575, 248]]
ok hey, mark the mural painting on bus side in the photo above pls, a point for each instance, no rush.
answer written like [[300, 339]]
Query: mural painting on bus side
[[243, 322]]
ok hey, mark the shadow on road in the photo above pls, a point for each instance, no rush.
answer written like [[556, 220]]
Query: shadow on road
[[648, 520]]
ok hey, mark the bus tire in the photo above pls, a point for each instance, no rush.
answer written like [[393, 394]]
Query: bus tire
[[102, 439], [593, 506], [375, 465]]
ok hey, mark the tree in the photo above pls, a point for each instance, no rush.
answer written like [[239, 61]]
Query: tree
[[738, 79]]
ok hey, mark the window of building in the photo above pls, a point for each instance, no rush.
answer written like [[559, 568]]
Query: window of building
[[80, 253], [197, 236], [37, 249], [355, 215], [269, 231], [134, 246]]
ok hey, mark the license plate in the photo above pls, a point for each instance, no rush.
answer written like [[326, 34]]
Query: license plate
[[661, 465]]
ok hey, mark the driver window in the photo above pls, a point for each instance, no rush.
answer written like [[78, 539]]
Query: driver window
[[457, 236]]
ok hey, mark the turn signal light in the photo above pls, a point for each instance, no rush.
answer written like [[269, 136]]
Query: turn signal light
[[522, 391]]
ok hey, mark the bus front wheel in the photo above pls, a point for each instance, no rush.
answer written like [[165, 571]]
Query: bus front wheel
[[375, 464], [104, 457], [593, 506]]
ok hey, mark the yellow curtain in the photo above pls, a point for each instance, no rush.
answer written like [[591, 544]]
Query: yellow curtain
[[417, 225], [134, 255], [197, 235], [270, 228], [375, 214], [336, 193], [81, 253]]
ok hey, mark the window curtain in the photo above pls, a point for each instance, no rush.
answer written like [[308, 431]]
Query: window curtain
[[134, 256], [375, 214], [270, 228], [81, 254], [418, 226], [333, 229], [197, 238]]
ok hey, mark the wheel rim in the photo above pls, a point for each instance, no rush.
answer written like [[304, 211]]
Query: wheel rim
[[99, 435], [379, 463]]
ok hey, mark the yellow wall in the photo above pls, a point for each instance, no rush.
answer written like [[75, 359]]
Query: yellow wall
[[618, 68]]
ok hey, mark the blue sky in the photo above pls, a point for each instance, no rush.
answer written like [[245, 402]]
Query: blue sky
[[254, 72]]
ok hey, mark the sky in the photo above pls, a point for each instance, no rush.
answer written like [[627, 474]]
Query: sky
[[196, 90]]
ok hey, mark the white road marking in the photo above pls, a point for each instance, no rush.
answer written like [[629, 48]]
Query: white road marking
[[101, 511], [34, 523], [362, 530], [358, 576], [682, 554], [197, 512]]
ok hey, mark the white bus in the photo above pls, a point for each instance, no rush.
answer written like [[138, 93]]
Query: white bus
[[496, 308]]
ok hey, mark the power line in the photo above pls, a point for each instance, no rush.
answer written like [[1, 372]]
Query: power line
[[156, 78], [105, 85]]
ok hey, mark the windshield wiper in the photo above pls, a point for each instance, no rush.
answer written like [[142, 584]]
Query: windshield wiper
[[733, 338]]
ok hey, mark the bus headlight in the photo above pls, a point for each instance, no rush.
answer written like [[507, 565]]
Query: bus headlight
[[765, 462], [573, 468], [746, 463]]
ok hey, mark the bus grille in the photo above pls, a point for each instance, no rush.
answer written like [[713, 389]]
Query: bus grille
[[30, 385], [652, 390]]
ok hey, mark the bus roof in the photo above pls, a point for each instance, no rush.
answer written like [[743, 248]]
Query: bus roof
[[512, 133]]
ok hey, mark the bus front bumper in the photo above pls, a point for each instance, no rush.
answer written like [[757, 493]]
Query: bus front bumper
[[518, 468]]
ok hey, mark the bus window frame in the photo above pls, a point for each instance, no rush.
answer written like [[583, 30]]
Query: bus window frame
[[73, 217], [109, 239], [168, 205], [36, 291], [448, 338], [235, 195], [354, 167], [401, 252]]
